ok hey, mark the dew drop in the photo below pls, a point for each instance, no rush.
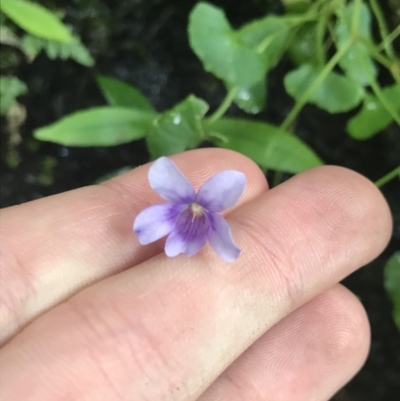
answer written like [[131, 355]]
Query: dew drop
[[243, 95], [177, 119]]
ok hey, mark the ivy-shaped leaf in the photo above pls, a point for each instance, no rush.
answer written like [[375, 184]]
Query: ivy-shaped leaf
[[392, 285], [177, 129], [99, 126], [356, 62], [373, 117], [264, 143], [335, 94], [119, 93], [35, 19]]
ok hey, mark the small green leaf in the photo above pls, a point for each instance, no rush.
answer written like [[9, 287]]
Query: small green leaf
[[267, 37], [119, 93], [253, 99], [335, 94], [178, 129], [356, 62], [374, 117], [8, 37], [264, 143], [391, 283], [10, 89], [220, 50], [100, 126], [303, 44], [54, 49], [35, 19]]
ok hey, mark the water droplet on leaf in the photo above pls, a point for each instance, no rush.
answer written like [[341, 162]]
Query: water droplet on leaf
[[177, 119]]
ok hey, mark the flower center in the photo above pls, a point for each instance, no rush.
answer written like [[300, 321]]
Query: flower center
[[196, 209]]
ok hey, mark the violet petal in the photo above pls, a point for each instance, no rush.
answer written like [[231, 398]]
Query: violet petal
[[156, 221], [188, 236], [167, 180], [220, 237], [221, 191]]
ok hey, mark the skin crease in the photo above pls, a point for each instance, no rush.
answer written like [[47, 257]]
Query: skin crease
[[89, 314]]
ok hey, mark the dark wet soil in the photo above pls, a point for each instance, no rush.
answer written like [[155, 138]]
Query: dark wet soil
[[145, 43]]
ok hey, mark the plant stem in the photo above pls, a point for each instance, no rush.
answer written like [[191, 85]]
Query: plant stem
[[382, 28], [386, 104], [322, 22], [388, 177], [389, 38], [224, 106], [375, 53], [324, 73], [355, 20]]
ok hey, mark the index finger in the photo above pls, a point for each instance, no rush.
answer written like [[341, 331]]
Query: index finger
[[53, 247]]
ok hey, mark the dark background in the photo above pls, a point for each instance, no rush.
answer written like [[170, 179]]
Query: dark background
[[144, 42]]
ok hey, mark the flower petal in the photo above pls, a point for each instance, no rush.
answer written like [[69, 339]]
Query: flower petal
[[220, 237], [188, 236], [222, 190], [156, 221], [167, 180]]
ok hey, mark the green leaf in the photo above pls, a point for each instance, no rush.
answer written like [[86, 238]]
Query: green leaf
[[252, 99], [303, 44], [264, 143], [222, 53], [100, 126], [335, 94], [8, 37], [178, 129], [391, 283], [10, 89], [356, 62], [35, 19], [74, 50], [373, 117], [267, 37], [119, 93]]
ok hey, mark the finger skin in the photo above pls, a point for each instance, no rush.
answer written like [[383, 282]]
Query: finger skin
[[308, 355], [53, 247], [169, 327]]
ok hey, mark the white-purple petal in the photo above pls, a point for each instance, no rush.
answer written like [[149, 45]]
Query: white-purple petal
[[220, 238], [156, 221], [167, 180], [221, 191], [188, 236]]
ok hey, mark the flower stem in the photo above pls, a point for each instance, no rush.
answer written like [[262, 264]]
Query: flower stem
[[224, 106], [385, 103], [382, 28], [321, 25], [389, 38], [388, 177]]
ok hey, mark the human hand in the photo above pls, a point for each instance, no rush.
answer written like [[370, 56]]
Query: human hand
[[86, 313]]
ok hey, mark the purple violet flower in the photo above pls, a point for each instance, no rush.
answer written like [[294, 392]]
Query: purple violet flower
[[190, 219]]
